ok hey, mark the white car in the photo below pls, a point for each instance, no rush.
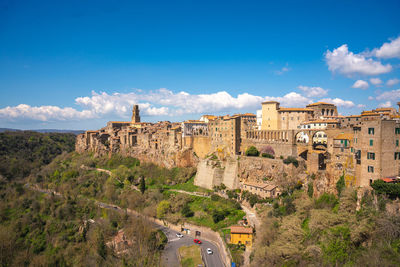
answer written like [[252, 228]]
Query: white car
[[209, 251], [179, 235]]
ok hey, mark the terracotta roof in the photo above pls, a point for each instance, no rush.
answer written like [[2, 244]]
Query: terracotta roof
[[241, 230], [319, 103], [320, 121], [342, 136], [295, 109], [387, 109], [353, 116], [194, 121], [264, 186]]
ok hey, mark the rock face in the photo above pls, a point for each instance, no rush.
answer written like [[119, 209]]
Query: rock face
[[159, 143], [233, 171]]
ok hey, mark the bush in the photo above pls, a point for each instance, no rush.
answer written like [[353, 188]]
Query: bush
[[340, 185], [252, 152], [381, 187], [310, 190], [267, 155], [187, 212], [326, 201], [292, 160], [219, 215], [267, 150]]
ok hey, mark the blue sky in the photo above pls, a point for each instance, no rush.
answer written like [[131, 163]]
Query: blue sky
[[78, 64]]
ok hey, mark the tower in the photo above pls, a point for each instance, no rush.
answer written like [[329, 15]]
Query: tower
[[135, 114]]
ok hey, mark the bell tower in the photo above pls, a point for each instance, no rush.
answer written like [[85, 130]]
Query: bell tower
[[135, 114]]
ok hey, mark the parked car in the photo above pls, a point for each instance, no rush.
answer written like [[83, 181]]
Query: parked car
[[209, 251], [196, 241], [179, 235]]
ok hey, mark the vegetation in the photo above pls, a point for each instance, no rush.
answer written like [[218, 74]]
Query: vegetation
[[327, 231], [252, 152], [392, 190], [24, 152], [340, 184], [190, 256], [291, 160]]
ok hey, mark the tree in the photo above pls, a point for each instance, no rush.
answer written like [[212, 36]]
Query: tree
[[252, 152], [142, 185], [310, 190], [101, 246], [186, 211], [340, 185], [163, 208]]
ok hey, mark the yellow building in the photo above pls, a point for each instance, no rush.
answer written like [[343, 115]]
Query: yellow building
[[242, 235]]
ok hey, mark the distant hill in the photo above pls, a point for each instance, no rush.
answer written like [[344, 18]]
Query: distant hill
[[76, 132], [24, 152]]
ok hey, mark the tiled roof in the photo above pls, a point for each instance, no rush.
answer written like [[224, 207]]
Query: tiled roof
[[343, 136], [319, 103], [241, 230], [295, 109]]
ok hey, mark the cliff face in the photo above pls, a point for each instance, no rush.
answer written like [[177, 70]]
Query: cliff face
[[233, 171]]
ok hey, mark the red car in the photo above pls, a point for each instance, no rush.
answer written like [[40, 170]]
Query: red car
[[196, 241]]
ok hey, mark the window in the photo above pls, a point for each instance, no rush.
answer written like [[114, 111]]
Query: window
[[397, 130], [371, 155], [370, 168], [371, 142], [371, 131], [397, 142], [396, 155]]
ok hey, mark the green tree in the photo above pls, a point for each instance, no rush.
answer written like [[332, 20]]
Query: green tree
[[186, 211], [340, 185], [162, 209], [142, 185], [101, 246], [252, 152]]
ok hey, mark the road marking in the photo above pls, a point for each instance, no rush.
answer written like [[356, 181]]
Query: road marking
[[175, 239]]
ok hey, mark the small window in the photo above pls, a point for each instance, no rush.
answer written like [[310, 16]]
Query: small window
[[371, 155], [371, 142], [397, 142], [371, 131], [397, 130], [370, 168], [396, 155]]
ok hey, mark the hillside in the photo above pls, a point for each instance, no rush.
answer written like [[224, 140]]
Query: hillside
[[329, 231], [24, 152]]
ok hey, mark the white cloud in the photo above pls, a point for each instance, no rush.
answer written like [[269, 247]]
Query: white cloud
[[346, 62], [313, 91], [388, 50], [160, 102], [44, 113], [371, 98], [361, 84], [392, 82], [375, 81], [389, 95], [339, 102], [386, 104], [361, 106], [283, 70]]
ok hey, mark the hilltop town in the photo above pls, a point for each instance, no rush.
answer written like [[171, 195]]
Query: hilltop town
[[362, 148]]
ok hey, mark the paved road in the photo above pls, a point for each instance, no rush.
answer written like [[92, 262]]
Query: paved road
[[170, 257]]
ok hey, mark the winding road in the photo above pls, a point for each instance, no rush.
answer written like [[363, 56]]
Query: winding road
[[170, 253]]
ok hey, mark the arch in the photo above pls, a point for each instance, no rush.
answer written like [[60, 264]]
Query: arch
[[302, 137], [320, 138]]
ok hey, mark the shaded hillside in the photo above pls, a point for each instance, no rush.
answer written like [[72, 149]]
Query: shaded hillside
[[23, 152]]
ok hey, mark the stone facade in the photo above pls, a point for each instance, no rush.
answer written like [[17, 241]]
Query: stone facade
[[362, 147]]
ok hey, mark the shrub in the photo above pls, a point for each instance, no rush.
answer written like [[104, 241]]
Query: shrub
[[267, 150], [340, 185], [381, 187], [252, 152], [292, 160], [187, 212], [326, 201], [310, 190], [266, 155]]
